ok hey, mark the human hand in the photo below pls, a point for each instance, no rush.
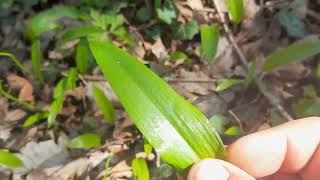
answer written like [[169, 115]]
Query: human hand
[[290, 151]]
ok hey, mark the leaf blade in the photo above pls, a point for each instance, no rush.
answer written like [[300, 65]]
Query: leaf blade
[[140, 169], [104, 104], [178, 128], [88, 140], [291, 54], [9, 159], [209, 41]]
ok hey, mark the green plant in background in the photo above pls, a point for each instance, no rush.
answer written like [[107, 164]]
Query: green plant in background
[[10, 160], [175, 128], [236, 10], [104, 104], [209, 41], [42, 22], [34, 118], [17, 62], [140, 169], [82, 56], [88, 140], [65, 83]]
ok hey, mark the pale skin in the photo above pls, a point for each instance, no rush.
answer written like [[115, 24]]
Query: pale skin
[[290, 151]]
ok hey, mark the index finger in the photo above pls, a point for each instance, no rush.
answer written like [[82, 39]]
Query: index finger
[[286, 148]]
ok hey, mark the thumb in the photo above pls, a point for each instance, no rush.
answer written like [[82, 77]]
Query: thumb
[[209, 169]]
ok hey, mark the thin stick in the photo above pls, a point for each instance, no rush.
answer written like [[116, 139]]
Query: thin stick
[[271, 98], [237, 119]]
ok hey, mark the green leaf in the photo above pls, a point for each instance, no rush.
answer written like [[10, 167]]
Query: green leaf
[[275, 118], [36, 58], [123, 35], [294, 53], [143, 14], [54, 109], [34, 118], [72, 79], [51, 72], [306, 107], [85, 141], [292, 23], [82, 56], [168, 13], [209, 41], [178, 55], [186, 31], [9, 159], [309, 91], [104, 104], [233, 131], [236, 10], [219, 121], [81, 32], [227, 83], [174, 127], [147, 147], [140, 169], [46, 20], [318, 71]]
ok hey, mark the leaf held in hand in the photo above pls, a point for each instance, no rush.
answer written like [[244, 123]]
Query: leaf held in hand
[[174, 127], [294, 53], [209, 41], [104, 104], [85, 141], [10, 160], [140, 169]]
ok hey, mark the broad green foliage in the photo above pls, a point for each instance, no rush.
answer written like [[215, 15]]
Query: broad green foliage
[[47, 20], [236, 10], [34, 118], [9, 159], [209, 41], [168, 12], [294, 53], [227, 83], [68, 82], [186, 31], [82, 56], [112, 23], [16, 61], [143, 14], [104, 104], [36, 58], [318, 71], [147, 146], [292, 23], [233, 131], [81, 32], [140, 169], [309, 91], [306, 107], [85, 141], [174, 127]]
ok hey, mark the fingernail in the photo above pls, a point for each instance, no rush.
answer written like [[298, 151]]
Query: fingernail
[[211, 170]]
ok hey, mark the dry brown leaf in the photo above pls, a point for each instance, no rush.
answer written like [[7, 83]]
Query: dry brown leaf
[[195, 4], [122, 169], [25, 87], [158, 49], [15, 115]]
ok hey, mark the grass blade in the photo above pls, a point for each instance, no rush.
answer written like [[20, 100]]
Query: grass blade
[[36, 58], [9, 159], [82, 56], [34, 118], [140, 169], [85, 141], [174, 127], [16, 61], [209, 41], [227, 83], [294, 53], [104, 104]]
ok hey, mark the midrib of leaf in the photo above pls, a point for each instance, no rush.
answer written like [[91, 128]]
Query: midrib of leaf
[[149, 95]]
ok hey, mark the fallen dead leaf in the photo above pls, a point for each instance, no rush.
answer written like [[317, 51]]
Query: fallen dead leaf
[[158, 49], [121, 170], [15, 115], [25, 87]]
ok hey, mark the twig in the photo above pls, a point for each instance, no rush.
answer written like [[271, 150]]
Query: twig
[[237, 119], [271, 98]]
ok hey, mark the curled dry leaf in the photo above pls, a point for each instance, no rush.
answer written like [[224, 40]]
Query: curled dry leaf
[[25, 87]]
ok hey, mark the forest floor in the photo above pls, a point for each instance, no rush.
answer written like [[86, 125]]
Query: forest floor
[[289, 92]]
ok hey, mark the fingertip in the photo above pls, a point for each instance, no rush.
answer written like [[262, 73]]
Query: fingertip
[[209, 169]]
